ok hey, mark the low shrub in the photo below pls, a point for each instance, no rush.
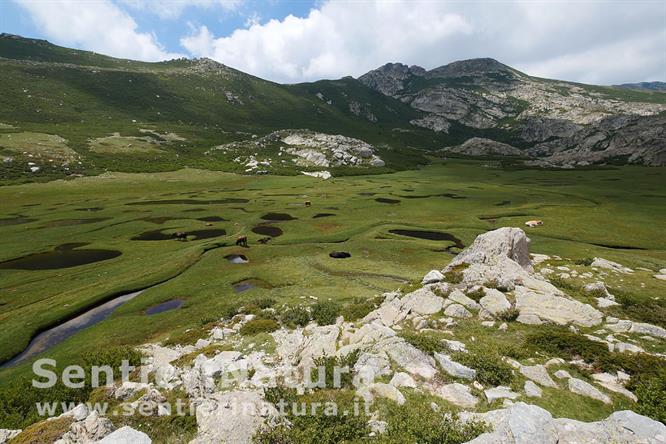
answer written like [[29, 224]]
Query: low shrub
[[259, 326], [264, 303], [44, 431], [586, 261], [490, 369], [477, 294], [418, 423], [329, 364], [358, 309], [327, 424], [325, 313], [563, 343], [424, 342], [455, 274], [296, 317], [280, 393], [508, 315], [651, 394]]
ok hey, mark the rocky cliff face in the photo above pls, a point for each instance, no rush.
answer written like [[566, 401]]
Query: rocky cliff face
[[561, 123]]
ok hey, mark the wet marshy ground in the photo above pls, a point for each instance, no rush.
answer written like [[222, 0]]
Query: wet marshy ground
[[212, 219], [70, 222], [18, 220], [159, 235], [63, 256], [190, 201], [320, 215], [429, 235]]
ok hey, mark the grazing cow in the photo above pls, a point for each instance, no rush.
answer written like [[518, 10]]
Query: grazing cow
[[308, 203], [180, 235], [241, 241], [264, 240], [534, 223]]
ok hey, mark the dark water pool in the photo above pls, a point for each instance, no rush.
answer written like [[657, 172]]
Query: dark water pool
[[173, 304], [207, 234], [387, 200], [212, 219], [429, 235], [63, 256], [267, 230], [237, 258], [320, 215], [153, 235], [277, 216], [249, 284]]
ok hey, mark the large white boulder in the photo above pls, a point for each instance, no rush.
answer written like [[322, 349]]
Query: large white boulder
[[126, 435]]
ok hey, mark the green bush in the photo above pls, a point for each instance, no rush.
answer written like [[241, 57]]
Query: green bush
[[321, 426], [508, 315], [563, 343], [325, 313], [264, 303], [455, 275], [18, 399], [280, 393], [418, 423], [587, 261], [255, 326], [490, 369], [651, 394], [330, 363], [358, 309], [296, 317], [424, 342], [477, 294]]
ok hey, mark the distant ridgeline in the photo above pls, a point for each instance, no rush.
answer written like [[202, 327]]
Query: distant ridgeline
[[67, 112]]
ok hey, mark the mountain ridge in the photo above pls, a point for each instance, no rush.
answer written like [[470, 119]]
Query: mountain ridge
[[406, 112]]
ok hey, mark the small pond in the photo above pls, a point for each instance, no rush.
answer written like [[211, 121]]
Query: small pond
[[63, 256], [173, 304]]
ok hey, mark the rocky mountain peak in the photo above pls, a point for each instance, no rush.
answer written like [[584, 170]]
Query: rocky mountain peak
[[390, 79], [471, 67]]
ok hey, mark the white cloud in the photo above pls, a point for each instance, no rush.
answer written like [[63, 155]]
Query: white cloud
[[95, 25], [171, 9], [604, 42]]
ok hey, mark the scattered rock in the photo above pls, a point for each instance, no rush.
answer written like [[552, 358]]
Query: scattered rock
[[538, 374], [432, 277], [583, 388], [453, 368], [532, 390], [126, 435], [610, 265], [500, 392], [457, 311], [457, 394], [387, 391]]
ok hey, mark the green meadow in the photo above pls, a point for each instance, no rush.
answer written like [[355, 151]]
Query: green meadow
[[615, 213]]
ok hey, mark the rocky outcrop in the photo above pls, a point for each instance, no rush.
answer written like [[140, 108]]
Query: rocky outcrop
[[524, 423], [7, 435], [127, 435], [479, 147]]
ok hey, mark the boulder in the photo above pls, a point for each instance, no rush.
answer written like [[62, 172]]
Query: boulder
[[453, 368], [422, 301], [529, 424], [233, 417], [610, 265], [496, 246], [432, 277], [532, 390], [583, 388], [402, 379], [387, 391], [126, 435], [457, 394], [457, 311], [494, 301], [614, 384], [555, 308], [409, 358], [91, 429], [499, 392], [7, 435], [460, 297], [538, 374]]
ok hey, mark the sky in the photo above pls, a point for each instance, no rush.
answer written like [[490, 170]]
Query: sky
[[289, 41]]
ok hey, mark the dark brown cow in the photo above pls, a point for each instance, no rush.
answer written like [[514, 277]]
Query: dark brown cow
[[308, 203], [241, 241]]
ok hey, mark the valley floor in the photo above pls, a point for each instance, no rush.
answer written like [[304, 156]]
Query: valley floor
[[396, 227]]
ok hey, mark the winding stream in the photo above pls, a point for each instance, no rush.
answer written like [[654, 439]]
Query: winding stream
[[53, 336]]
